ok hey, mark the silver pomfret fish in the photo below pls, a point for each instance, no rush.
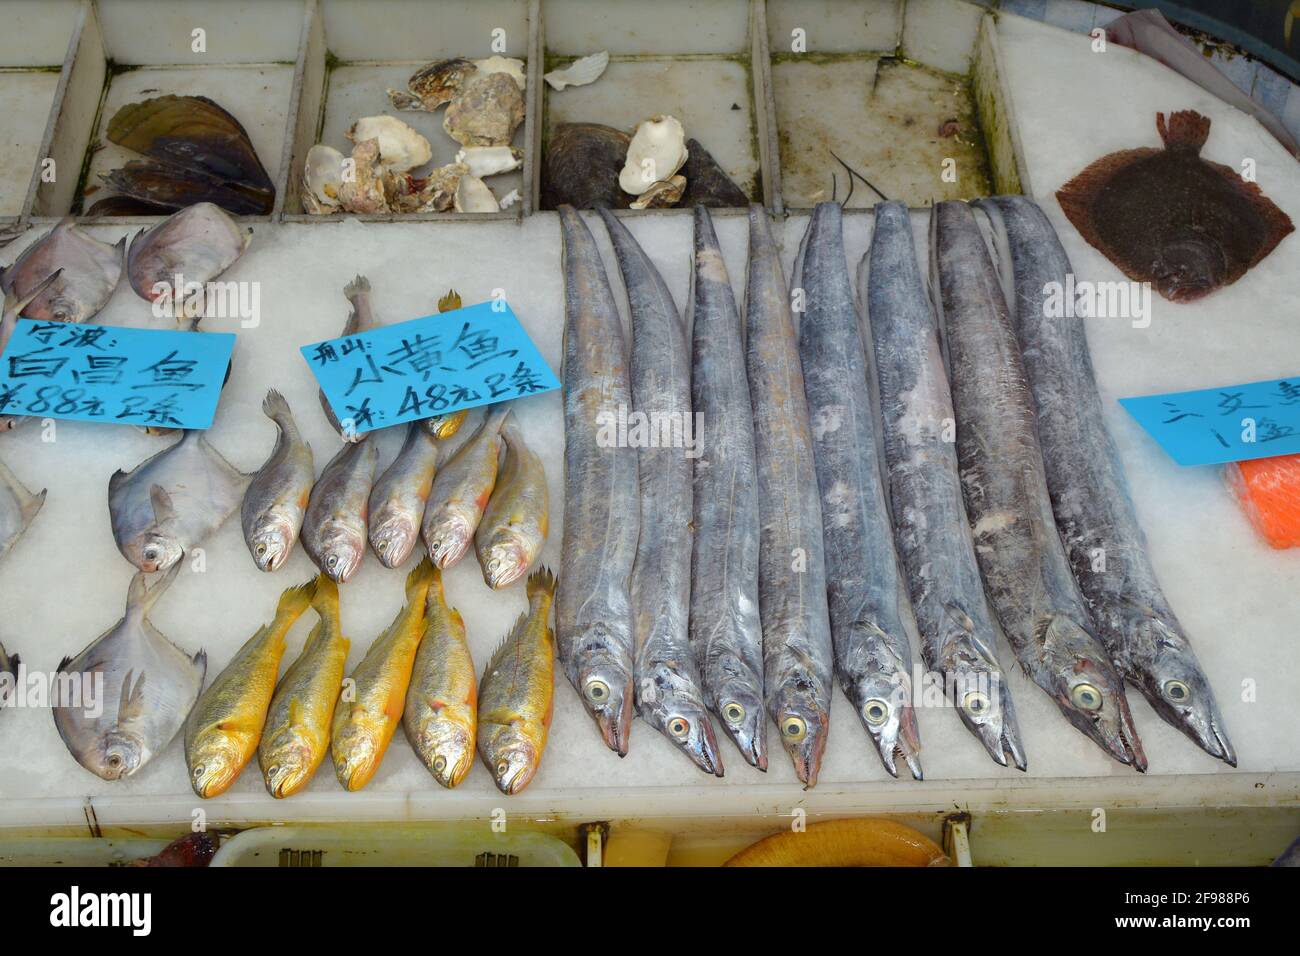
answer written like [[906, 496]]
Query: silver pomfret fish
[[931, 532], [873, 659], [797, 654], [593, 616], [666, 678], [1090, 499]]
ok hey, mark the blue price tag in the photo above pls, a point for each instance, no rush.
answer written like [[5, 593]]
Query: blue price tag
[[431, 366], [104, 373], [1213, 426]]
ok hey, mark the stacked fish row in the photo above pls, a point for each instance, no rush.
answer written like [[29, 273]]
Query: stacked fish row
[[846, 496]]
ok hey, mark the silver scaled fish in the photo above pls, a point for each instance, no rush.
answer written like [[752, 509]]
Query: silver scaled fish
[[88, 269], [399, 497], [512, 533], [334, 527], [461, 491], [276, 499]]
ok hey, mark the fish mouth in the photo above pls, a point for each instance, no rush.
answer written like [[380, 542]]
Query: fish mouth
[[447, 549], [505, 573], [341, 566], [616, 727], [898, 739], [284, 781], [749, 739], [393, 545]]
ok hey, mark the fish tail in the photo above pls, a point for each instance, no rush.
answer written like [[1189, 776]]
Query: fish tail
[[541, 581], [325, 598], [140, 597], [1186, 129], [497, 416], [436, 597], [449, 302], [357, 286], [294, 601], [276, 408], [419, 581]]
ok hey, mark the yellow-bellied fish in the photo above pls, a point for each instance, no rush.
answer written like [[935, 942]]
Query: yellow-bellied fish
[[366, 718], [442, 699], [516, 697], [513, 531], [297, 731], [223, 729]]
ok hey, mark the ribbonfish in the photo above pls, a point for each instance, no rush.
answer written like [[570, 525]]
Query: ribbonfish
[[797, 653], [1026, 575], [1090, 498], [865, 591], [593, 617], [665, 675], [931, 533]]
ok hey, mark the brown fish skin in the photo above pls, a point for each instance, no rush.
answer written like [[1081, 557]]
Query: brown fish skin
[[1169, 217]]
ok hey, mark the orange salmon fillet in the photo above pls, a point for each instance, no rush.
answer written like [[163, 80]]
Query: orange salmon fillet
[[1269, 492]]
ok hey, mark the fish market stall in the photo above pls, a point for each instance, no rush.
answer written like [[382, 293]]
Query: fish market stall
[[1046, 104]]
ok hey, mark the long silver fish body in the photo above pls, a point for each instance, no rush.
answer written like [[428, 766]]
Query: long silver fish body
[[89, 271], [276, 500], [398, 499], [172, 501], [665, 675], [18, 507], [593, 615], [724, 625], [334, 528], [1026, 575], [133, 689], [864, 589], [798, 660], [1090, 498], [360, 319], [931, 533]]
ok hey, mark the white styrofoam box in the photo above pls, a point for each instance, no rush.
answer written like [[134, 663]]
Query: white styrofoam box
[[36, 32], [833, 26], [389, 30], [637, 28], [148, 33], [25, 100], [941, 33]]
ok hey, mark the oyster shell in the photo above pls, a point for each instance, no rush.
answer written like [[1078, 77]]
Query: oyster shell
[[666, 192], [436, 192], [433, 85], [503, 64], [580, 72], [486, 112], [473, 195], [657, 151], [364, 192], [490, 160], [322, 179], [400, 147], [509, 199]]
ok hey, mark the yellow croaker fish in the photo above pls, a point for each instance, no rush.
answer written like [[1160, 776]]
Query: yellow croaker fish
[[223, 729], [512, 533], [444, 426], [297, 733], [516, 698], [461, 491], [442, 700], [366, 717]]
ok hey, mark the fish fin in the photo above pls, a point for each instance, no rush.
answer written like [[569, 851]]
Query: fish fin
[[32, 506], [22, 302], [235, 474], [960, 618], [1186, 129], [140, 597], [163, 509], [541, 581], [325, 598], [131, 701], [276, 408], [63, 665], [296, 600], [449, 302], [419, 581], [200, 661], [28, 503], [503, 648], [496, 417]]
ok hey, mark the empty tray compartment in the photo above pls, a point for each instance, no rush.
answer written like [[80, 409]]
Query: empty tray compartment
[[888, 87], [241, 56], [358, 50], [683, 58]]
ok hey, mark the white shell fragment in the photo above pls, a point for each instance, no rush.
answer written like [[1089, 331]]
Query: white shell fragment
[[579, 72], [657, 151], [490, 160], [473, 195], [510, 198], [665, 193], [322, 179], [400, 147], [503, 64]]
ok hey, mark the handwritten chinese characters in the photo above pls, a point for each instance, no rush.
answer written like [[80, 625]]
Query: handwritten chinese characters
[[98, 373], [1219, 425], [431, 366]]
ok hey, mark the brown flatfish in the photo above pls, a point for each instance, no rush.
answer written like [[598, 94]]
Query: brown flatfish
[[1172, 218]]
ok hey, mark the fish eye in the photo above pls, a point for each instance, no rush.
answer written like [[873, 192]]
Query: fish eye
[[114, 761], [150, 554], [261, 550], [1086, 697], [733, 713], [679, 727], [503, 768], [332, 560], [494, 564], [439, 764], [596, 691], [383, 545], [1177, 691], [875, 711], [975, 703], [198, 771], [794, 729]]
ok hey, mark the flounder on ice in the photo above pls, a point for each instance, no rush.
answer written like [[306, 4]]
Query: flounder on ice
[[1169, 217]]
